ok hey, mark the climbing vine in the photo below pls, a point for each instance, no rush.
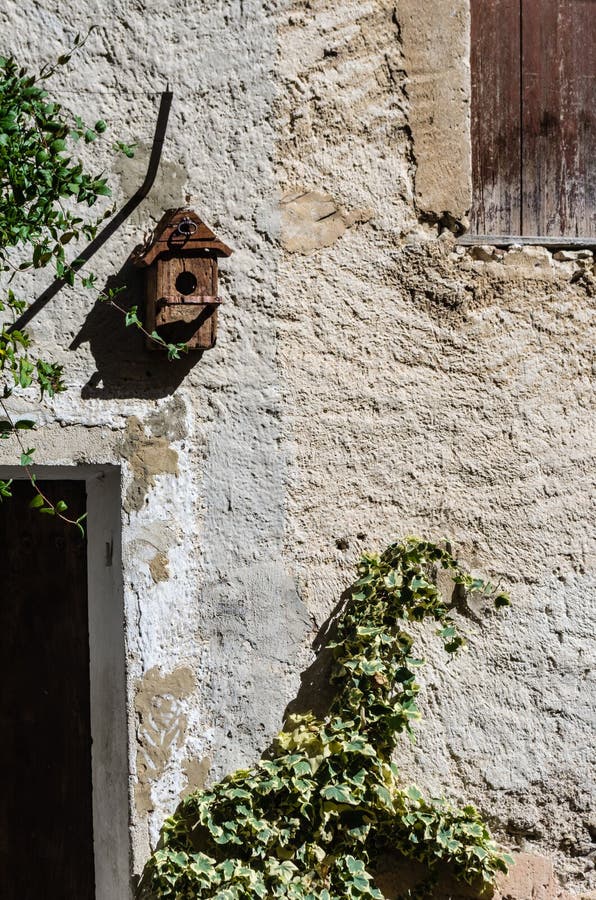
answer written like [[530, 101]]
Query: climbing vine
[[46, 193], [311, 819]]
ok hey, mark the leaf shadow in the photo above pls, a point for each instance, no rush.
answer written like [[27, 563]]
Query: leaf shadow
[[125, 366]]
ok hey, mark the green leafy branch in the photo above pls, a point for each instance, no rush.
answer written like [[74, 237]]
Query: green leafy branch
[[312, 818], [131, 318], [43, 186]]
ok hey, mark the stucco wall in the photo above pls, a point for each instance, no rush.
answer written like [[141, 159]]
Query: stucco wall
[[369, 380]]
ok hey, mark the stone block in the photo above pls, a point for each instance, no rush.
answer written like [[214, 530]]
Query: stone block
[[533, 878], [312, 220], [529, 258]]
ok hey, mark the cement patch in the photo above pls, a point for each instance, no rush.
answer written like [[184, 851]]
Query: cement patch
[[158, 566], [162, 725], [196, 772], [148, 458]]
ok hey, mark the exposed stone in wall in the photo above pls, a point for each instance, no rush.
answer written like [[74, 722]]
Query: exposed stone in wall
[[197, 773], [148, 457], [530, 878], [311, 220], [533, 877], [436, 49], [159, 567], [342, 122]]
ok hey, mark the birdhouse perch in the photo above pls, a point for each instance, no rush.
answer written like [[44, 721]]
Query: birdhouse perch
[[181, 299]]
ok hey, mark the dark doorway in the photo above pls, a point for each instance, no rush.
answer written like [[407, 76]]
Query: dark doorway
[[46, 830]]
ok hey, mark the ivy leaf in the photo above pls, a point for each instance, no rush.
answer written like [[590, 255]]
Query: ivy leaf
[[412, 793], [5, 489], [454, 645], [302, 767], [127, 149], [202, 865], [384, 796], [419, 583], [359, 745], [25, 369], [175, 350], [131, 317], [27, 457], [355, 866], [448, 632], [393, 580], [340, 793]]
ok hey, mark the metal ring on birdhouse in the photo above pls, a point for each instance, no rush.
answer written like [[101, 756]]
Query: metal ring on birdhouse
[[186, 227]]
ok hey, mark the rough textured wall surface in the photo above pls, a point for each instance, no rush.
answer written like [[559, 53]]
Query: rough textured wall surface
[[435, 37], [370, 380]]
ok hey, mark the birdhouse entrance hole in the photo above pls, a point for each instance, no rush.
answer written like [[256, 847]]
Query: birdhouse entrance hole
[[186, 283]]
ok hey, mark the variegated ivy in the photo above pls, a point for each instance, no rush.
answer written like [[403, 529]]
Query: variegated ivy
[[310, 820]]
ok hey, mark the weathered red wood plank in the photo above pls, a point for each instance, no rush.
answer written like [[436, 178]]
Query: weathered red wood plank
[[558, 116], [496, 116]]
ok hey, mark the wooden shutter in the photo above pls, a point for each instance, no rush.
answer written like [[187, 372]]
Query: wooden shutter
[[533, 118], [496, 136]]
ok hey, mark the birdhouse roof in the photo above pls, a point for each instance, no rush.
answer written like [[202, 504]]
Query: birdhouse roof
[[175, 233]]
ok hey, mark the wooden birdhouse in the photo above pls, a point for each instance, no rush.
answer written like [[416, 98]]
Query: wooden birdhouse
[[181, 299]]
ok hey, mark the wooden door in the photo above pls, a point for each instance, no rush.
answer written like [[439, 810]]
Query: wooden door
[[46, 832]]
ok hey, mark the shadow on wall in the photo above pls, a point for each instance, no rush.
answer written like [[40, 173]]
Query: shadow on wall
[[125, 366], [317, 691]]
